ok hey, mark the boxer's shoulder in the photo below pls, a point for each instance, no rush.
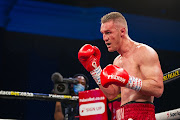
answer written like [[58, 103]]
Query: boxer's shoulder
[[143, 48], [117, 59], [144, 52]]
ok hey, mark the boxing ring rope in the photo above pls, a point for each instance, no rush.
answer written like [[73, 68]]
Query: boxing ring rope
[[169, 115], [171, 76], [36, 96], [167, 77]]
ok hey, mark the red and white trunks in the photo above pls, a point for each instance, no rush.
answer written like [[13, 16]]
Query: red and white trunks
[[113, 106], [136, 111]]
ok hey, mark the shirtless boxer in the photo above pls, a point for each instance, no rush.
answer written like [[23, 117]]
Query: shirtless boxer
[[136, 71]]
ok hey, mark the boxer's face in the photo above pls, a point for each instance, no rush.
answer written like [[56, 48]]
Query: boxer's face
[[111, 35]]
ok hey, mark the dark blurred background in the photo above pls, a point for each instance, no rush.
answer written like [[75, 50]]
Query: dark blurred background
[[40, 37]]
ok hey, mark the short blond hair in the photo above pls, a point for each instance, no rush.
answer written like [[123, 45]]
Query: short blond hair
[[116, 17]]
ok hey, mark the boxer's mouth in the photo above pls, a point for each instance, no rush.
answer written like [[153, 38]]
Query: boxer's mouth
[[108, 44]]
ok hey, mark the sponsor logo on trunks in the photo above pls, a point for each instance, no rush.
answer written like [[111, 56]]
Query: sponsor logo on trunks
[[116, 78], [120, 114], [171, 75], [92, 109]]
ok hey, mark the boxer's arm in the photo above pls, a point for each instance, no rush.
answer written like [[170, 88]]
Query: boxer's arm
[[150, 68], [89, 56], [112, 90], [58, 114]]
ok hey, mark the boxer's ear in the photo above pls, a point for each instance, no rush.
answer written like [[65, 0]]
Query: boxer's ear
[[122, 31]]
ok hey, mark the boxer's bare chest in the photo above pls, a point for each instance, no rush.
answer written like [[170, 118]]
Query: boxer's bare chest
[[130, 64]]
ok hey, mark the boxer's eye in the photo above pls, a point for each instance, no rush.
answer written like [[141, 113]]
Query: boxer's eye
[[107, 32]]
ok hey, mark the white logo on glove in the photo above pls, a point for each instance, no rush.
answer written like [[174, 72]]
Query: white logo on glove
[[94, 64], [116, 78]]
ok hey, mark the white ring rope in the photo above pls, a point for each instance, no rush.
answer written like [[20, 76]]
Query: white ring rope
[[169, 115]]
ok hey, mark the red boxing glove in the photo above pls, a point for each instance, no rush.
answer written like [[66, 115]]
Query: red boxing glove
[[112, 74], [89, 56]]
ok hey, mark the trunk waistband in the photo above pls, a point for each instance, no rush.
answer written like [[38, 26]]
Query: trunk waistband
[[136, 111], [148, 102]]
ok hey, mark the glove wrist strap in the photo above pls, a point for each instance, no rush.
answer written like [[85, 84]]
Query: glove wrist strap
[[134, 83], [96, 74]]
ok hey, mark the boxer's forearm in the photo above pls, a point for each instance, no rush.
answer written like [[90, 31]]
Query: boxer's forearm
[[152, 88], [111, 91]]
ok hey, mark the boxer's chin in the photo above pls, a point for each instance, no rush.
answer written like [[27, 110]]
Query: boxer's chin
[[110, 50]]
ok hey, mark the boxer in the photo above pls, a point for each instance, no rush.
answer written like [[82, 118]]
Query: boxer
[[135, 72]]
